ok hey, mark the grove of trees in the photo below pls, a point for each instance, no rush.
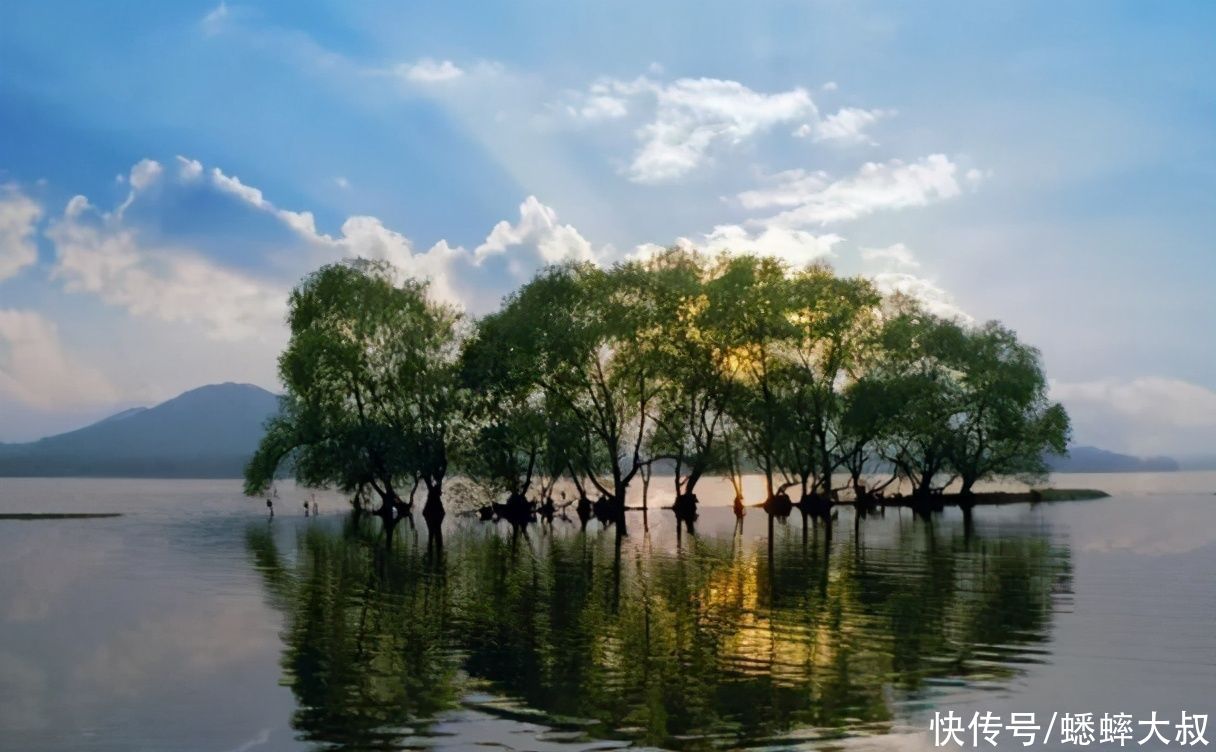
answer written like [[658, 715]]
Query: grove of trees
[[680, 363]]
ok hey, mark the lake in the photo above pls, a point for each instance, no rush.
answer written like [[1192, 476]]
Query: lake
[[193, 622]]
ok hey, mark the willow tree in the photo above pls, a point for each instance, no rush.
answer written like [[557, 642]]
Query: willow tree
[[748, 298], [919, 375], [690, 421], [371, 390], [511, 428], [1006, 422], [832, 324], [573, 333]]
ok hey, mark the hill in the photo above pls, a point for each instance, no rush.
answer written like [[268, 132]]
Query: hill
[[1087, 459], [208, 432]]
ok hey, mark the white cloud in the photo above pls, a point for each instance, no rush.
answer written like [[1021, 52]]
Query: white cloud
[[188, 169], [234, 186], [934, 299], [36, 370], [796, 247], [99, 254], [788, 188], [898, 255], [537, 228], [846, 126], [18, 216], [689, 118], [695, 115], [215, 313], [830, 86], [367, 237], [602, 107], [1145, 415], [342, 183], [144, 173], [428, 71], [303, 222], [537, 239], [876, 186]]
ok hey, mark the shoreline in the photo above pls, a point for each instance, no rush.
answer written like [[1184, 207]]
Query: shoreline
[[997, 498], [25, 516]]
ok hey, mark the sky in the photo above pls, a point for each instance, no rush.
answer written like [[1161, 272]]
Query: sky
[[169, 170]]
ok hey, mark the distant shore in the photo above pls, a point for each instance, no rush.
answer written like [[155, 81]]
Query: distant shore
[[58, 515], [994, 498]]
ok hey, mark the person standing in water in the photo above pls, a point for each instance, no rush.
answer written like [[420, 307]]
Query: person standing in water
[[316, 510], [306, 507], [270, 506]]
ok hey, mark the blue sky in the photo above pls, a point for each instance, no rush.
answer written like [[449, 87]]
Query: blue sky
[[169, 169]]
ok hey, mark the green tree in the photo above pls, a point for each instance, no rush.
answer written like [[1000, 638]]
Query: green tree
[[748, 305], [1007, 422], [573, 332], [919, 376], [506, 412], [372, 396], [832, 320], [689, 418]]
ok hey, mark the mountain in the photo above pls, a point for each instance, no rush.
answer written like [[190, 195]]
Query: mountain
[[208, 432], [1087, 459]]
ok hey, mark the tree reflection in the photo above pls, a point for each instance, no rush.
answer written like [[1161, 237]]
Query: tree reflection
[[682, 646]]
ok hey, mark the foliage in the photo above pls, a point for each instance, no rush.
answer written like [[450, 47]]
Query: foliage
[[371, 397], [595, 374]]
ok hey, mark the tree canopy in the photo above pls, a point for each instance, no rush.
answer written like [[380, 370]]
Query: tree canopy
[[694, 364], [372, 400]]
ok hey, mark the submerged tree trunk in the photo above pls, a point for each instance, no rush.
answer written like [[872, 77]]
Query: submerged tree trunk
[[619, 500], [433, 511], [967, 487]]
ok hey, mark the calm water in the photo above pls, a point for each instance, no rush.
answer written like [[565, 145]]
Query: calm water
[[194, 623]]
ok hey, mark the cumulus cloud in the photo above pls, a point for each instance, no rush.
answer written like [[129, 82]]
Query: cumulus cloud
[[1145, 415], [144, 173], [888, 268], [845, 126], [142, 176], [99, 254], [934, 299], [537, 228], [809, 199], [537, 239], [36, 369], [18, 215], [367, 237], [429, 71]]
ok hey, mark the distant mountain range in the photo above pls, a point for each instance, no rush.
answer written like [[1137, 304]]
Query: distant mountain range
[[1087, 459], [209, 432]]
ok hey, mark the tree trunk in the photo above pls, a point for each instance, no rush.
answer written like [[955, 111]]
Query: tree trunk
[[619, 499], [966, 489], [433, 511]]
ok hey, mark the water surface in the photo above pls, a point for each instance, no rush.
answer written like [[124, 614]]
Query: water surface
[[192, 622]]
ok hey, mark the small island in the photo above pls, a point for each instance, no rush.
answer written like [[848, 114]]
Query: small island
[[587, 379]]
